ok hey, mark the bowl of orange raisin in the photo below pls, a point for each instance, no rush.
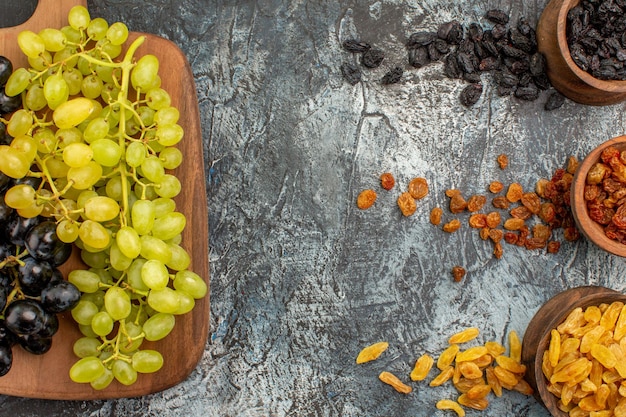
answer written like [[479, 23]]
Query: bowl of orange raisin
[[575, 352], [598, 196]]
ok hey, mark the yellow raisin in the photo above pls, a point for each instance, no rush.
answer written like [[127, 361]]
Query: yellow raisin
[[570, 371], [478, 391], [484, 360], [574, 320], [451, 405], [371, 352], [435, 216], [366, 199], [471, 354], [503, 161], [554, 349], [407, 204], [452, 226], [390, 379], [514, 193], [515, 346], [523, 387], [510, 364], [495, 348], [620, 325], [513, 223], [589, 404], [493, 381], [470, 370], [592, 314], [602, 395], [590, 338], [447, 357], [603, 355], [422, 367], [463, 336], [507, 377], [418, 188], [496, 186], [463, 385], [569, 345], [609, 318], [443, 376], [476, 404]]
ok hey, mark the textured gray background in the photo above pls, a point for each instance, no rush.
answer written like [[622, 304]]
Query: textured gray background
[[301, 279]]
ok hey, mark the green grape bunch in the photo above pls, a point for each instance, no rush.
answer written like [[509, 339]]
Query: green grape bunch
[[99, 131]]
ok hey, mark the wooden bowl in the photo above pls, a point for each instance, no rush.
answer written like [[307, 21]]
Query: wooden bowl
[[589, 228], [537, 336], [564, 74]]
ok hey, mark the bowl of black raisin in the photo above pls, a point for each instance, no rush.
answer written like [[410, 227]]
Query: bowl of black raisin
[[584, 43]]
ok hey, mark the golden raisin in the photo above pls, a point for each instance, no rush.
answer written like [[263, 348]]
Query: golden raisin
[[422, 367], [500, 202], [451, 405], [458, 272], [514, 193], [497, 250], [484, 233], [457, 203], [366, 199], [371, 352], [532, 202], [493, 219], [465, 335], [387, 181], [478, 220], [418, 188], [451, 192], [470, 370], [446, 358], [572, 165], [496, 186], [406, 203], [513, 224], [503, 161], [496, 235], [443, 377], [521, 212], [452, 226], [477, 404], [390, 379], [475, 203], [435, 215]]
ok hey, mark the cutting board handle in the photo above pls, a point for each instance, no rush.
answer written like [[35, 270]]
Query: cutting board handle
[[49, 13]]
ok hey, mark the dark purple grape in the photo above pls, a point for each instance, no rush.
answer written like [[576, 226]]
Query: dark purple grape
[[50, 327], [24, 317], [7, 337], [3, 298], [6, 359], [5, 211], [43, 244], [16, 228], [57, 276], [35, 344], [6, 68], [34, 275], [9, 104], [60, 297]]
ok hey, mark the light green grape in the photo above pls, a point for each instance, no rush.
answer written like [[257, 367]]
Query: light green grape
[[117, 303], [34, 98], [67, 231], [79, 18], [41, 62], [169, 135], [155, 274], [168, 225], [133, 339], [77, 155], [91, 86], [86, 346], [18, 81], [180, 258], [19, 196], [103, 381], [134, 275], [159, 326], [56, 92], [106, 152], [74, 80], [86, 281], [30, 43], [152, 169], [124, 372], [84, 311], [147, 361], [97, 28], [158, 98], [128, 241], [117, 33], [94, 234], [20, 123], [187, 303], [153, 248], [85, 176], [142, 216], [190, 283], [102, 323], [25, 144], [144, 73], [169, 186], [87, 370], [135, 154], [71, 113], [101, 208], [53, 39], [118, 260], [163, 206], [165, 300]]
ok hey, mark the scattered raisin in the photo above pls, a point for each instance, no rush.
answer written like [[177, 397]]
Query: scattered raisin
[[418, 188], [514, 193], [496, 186], [393, 76], [497, 250], [458, 272], [372, 58], [513, 224], [471, 94], [500, 202], [503, 161], [406, 203], [478, 220], [532, 202], [356, 46], [366, 199], [493, 219], [554, 246], [351, 73], [452, 226], [435, 215], [457, 203], [387, 181], [484, 233], [476, 202], [496, 235]]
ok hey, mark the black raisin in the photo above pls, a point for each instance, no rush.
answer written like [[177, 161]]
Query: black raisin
[[372, 58], [475, 32], [488, 64], [471, 94], [537, 64], [351, 73], [392, 77], [528, 93], [451, 66], [419, 39], [497, 16], [418, 57], [353, 45], [451, 32], [555, 100]]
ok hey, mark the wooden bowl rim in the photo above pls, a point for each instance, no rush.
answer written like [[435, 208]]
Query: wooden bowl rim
[[591, 295], [592, 230], [561, 33]]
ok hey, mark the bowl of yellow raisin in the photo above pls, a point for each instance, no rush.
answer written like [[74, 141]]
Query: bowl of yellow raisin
[[575, 352]]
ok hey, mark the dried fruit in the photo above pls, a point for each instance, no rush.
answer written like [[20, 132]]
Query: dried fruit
[[503, 161], [393, 76], [371, 352], [457, 203], [356, 46], [372, 58], [464, 336], [390, 379], [435, 215], [423, 365], [366, 199], [387, 181], [418, 188], [458, 272], [407, 204], [515, 192], [452, 226], [496, 186], [451, 405], [513, 224], [478, 220], [493, 219], [475, 203], [351, 73], [471, 94], [500, 202], [447, 357]]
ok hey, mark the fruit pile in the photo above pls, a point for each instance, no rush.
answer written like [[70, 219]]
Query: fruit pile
[[89, 157]]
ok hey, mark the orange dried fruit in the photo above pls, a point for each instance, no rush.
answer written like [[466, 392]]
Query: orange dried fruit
[[407, 204], [366, 199], [514, 192], [443, 377], [387, 181], [418, 188], [422, 367], [451, 405], [392, 380], [452, 226], [446, 358], [435, 216], [371, 352]]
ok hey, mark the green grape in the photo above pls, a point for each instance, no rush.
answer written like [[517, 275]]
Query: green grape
[[91, 86], [94, 234], [19, 196], [109, 92], [73, 112], [152, 169], [144, 73], [97, 128], [158, 326], [33, 210], [20, 123], [84, 311], [71, 34], [102, 323], [74, 80], [96, 297], [25, 144], [117, 33], [68, 135], [44, 138], [41, 62], [133, 339], [97, 28], [128, 241], [168, 225], [155, 274], [167, 116], [117, 303], [105, 73], [146, 115], [101, 209], [187, 303], [85, 330], [67, 56], [165, 300], [77, 155], [118, 260], [79, 18], [180, 258], [84, 66], [153, 248], [93, 259], [108, 49], [158, 98], [124, 372], [86, 346], [18, 81], [56, 167], [169, 187], [53, 39], [114, 188], [106, 278], [106, 152], [103, 381], [135, 154], [134, 275], [147, 361], [34, 98], [67, 231], [85, 176], [142, 216], [56, 91], [86, 281], [163, 206], [191, 283], [30, 43], [86, 370], [84, 196], [169, 135], [64, 204]]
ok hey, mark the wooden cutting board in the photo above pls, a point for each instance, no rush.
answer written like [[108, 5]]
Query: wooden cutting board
[[46, 376]]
